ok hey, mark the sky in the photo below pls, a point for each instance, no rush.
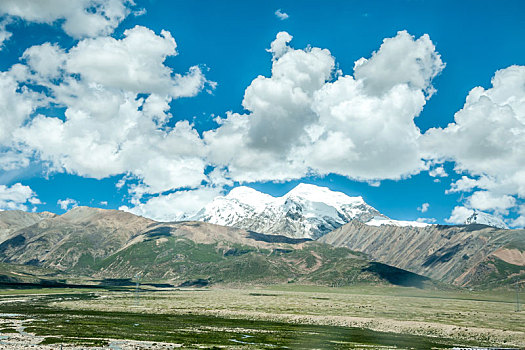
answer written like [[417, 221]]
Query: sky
[[157, 107]]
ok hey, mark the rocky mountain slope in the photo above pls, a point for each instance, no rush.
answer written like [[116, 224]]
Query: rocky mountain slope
[[13, 220], [307, 211], [113, 244], [58, 242], [466, 255]]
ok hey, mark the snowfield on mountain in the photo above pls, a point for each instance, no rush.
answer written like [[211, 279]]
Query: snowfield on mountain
[[307, 211]]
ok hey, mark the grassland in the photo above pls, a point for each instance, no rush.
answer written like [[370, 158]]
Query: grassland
[[161, 257], [297, 317]]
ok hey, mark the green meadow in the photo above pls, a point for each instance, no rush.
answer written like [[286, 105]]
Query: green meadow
[[276, 317]]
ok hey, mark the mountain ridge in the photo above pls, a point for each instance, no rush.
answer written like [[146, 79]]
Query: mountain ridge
[[113, 244], [307, 211], [464, 255], [12, 220], [110, 243]]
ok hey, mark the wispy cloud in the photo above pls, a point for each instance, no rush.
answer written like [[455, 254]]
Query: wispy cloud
[[423, 208], [65, 204], [139, 12], [281, 15]]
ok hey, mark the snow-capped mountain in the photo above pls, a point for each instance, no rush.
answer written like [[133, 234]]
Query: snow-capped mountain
[[479, 217], [307, 211]]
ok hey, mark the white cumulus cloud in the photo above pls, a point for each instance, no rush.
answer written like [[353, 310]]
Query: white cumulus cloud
[[16, 105], [487, 138], [438, 172], [175, 206], [117, 95], [134, 63], [4, 33], [459, 215], [400, 60], [308, 118], [484, 200], [67, 203], [17, 197], [487, 141], [80, 18]]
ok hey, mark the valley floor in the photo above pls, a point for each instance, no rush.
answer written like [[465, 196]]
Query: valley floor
[[297, 317]]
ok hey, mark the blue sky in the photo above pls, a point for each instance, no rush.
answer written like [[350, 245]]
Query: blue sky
[[228, 41]]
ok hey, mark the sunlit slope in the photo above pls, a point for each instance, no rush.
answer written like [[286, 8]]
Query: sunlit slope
[[182, 259], [13, 220], [466, 255], [113, 244], [60, 242]]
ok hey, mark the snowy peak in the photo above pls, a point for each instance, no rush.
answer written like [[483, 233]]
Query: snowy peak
[[307, 211], [322, 194], [249, 196], [482, 218]]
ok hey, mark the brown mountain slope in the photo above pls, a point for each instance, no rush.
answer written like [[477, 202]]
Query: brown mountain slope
[[13, 220], [119, 245], [66, 241], [60, 241], [463, 255]]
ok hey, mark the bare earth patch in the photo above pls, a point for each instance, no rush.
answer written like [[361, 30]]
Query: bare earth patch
[[511, 256]]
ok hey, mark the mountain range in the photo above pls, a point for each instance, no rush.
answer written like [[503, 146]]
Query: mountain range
[[471, 255], [116, 245], [307, 211], [309, 235]]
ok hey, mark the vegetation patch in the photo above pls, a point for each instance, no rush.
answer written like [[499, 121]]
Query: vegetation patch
[[95, 328]]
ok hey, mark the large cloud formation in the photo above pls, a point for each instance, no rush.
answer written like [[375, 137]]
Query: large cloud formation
[[107, 128], [80, 18], [102, 108], [487, 141], [309, 118]]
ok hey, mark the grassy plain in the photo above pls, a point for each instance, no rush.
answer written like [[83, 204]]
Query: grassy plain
[[282, 316]]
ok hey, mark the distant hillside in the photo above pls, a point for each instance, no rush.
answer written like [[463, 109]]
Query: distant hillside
[[13, 220], [59, 242], [13, 274], [467, 255], [112, 244]]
